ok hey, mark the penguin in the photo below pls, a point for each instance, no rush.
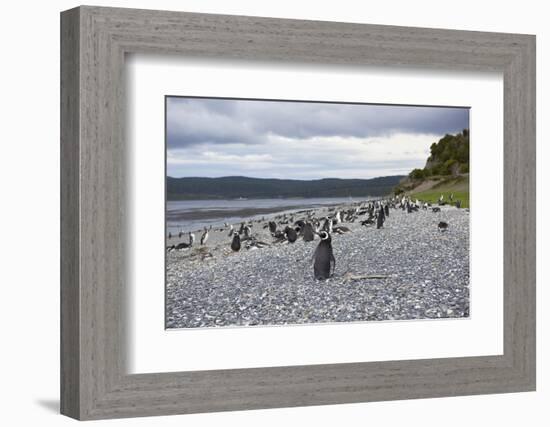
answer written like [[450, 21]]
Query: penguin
[[436, 209], [291, 234], [272, 227], [191, 239], [181, 246], [279, 236], [308, 232], [324, 260], [204, 236], [341, 229], [337, 218], [442, 226], [387, 210], [327, 226], [257, 244], [230, 230], [169, 236], [236, 242], [368, 221], [247, 231], [458, 204], [300, 223], [380, 218], [180, 234]]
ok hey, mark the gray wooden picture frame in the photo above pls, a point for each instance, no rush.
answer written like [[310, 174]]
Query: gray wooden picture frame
[[94, 41]]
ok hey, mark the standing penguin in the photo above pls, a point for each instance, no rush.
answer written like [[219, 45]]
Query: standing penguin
[[204, 236], [324, 260], [327, 226], [387, 210], [272, 227], [308, 232], [337, 218], [380, 219], [236, 242], [191, 239]]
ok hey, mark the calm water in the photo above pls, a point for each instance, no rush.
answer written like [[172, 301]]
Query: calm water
[[192, 215]]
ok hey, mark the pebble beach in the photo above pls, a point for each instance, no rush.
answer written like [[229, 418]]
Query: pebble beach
[[406, 270]]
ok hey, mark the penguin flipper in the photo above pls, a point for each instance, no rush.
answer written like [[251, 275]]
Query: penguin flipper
[[314, 254]]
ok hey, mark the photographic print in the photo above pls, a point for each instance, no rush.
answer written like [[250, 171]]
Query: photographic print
[[304, 212]]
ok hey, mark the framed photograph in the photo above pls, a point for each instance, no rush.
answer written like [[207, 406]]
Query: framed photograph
[[262, 213]]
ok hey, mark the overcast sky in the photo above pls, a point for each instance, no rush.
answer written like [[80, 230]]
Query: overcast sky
[[301, 140]]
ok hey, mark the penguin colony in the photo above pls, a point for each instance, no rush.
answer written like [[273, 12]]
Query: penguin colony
[[288, 228]]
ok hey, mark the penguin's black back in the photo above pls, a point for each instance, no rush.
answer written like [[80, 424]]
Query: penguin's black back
[[380, 219], [291, 234], [324, 260], [236, 243], [308, 232]]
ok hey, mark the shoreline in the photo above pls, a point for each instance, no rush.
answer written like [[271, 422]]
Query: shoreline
[[235, 215]]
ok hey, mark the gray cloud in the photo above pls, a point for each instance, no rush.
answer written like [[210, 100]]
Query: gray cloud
[[194, 121]]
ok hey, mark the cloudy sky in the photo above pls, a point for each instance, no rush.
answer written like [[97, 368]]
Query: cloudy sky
[[209, 137]]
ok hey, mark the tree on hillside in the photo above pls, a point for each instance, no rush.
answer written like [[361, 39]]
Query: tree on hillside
[[449, 156]]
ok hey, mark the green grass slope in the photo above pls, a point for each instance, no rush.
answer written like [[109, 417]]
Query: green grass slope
[[459, 187]]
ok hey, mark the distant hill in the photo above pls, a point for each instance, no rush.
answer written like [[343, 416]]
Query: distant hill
[[233, 187]]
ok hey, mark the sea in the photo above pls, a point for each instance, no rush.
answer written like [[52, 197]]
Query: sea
[[193, 215]]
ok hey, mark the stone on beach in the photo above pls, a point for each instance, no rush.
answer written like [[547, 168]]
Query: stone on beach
[[405, 270]]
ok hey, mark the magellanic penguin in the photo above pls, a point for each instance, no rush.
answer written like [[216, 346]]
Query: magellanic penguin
[[327, 226], [291, 234], [272, 227], [324, 260], [308, 232], [337, 218], [204, 236], [380, 218], [191, 239], [236, 242], [442, 226]]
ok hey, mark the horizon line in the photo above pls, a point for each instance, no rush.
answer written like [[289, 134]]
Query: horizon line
[[281, 179]]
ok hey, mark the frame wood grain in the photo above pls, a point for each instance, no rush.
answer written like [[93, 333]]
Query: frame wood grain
[[94, 41]]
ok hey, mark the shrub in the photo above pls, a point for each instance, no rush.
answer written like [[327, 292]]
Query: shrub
[[417, 174]]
